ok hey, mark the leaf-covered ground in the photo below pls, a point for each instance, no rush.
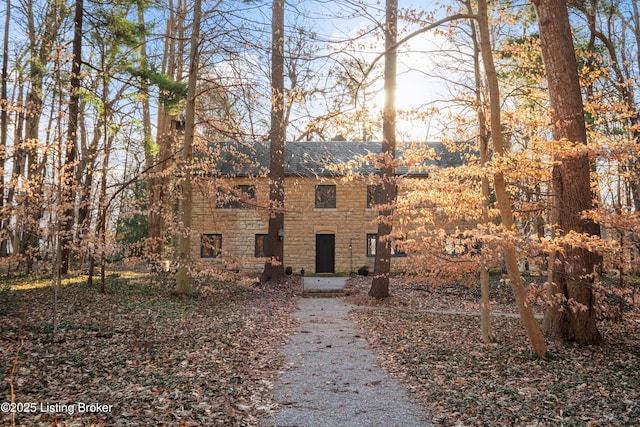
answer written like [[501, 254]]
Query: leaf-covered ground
[[461, 381], [140, 355], [211, 359]]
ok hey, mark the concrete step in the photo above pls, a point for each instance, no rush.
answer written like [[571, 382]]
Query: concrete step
[[327, 293], [323, 293]]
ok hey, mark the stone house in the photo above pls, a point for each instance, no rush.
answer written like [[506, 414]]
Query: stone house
[[330, 221]]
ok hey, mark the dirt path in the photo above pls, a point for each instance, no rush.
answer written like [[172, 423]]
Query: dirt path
[[332, 379]]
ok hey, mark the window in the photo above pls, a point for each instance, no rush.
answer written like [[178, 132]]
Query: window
[[373, 195], [456, 246], [210, 245], [237, 198], [371, 244], [325, 196], [262, 245], [372, 240]]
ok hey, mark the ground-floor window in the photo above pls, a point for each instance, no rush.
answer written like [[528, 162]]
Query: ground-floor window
[[371, 244], [262, 245], [210, 245], [372, 240]]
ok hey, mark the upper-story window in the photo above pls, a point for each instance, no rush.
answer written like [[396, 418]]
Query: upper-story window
[[325, 196], [373, 195], [239, 197]]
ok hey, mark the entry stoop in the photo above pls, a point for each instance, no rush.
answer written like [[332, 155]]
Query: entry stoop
[[323, 287], [312, 293]]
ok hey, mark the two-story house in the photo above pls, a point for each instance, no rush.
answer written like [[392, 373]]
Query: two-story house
[[330, 216]]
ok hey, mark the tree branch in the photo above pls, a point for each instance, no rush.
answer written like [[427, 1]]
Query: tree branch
[[416, 33]]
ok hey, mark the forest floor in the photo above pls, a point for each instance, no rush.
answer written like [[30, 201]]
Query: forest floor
[[439, 354], [139, 356]]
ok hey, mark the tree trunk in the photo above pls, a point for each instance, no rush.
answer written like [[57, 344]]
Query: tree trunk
[[69, 181], [41, 36], [4, 120], [183, 280], [86, 171], [16, 172], [149, 144], [382, 264], [624, 85], [635, 162], [502, 196], [155, 241], [571, 313], [274, 267], [483, 136], [157, 188], [101, 226]]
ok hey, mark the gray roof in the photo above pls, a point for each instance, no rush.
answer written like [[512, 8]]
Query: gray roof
[[304, 158]]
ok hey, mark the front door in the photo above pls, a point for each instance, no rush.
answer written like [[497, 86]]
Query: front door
[[325, 253]]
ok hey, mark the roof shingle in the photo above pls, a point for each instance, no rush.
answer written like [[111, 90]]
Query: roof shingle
[[304, 158]]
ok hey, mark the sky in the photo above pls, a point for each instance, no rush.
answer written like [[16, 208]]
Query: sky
[[418, 84], [334, 22]]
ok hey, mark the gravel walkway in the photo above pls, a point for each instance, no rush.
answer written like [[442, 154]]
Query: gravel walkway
[[332, 378]]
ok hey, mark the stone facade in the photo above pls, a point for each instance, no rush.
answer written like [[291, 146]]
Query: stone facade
[[347, 226], [332, 232]]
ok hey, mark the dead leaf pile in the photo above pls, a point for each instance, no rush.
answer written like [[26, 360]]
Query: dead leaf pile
[[138, 356], [455, 298], [461, 381]]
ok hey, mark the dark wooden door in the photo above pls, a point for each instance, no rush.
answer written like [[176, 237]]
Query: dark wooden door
[[325, 253]]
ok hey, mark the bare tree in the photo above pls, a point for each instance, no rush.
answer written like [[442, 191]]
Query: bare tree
[[274, 268], [504, 203], [72, 141], [382, 266], [160, 153], [4, 128], [41, 38], [183, 279], [484, 137]]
